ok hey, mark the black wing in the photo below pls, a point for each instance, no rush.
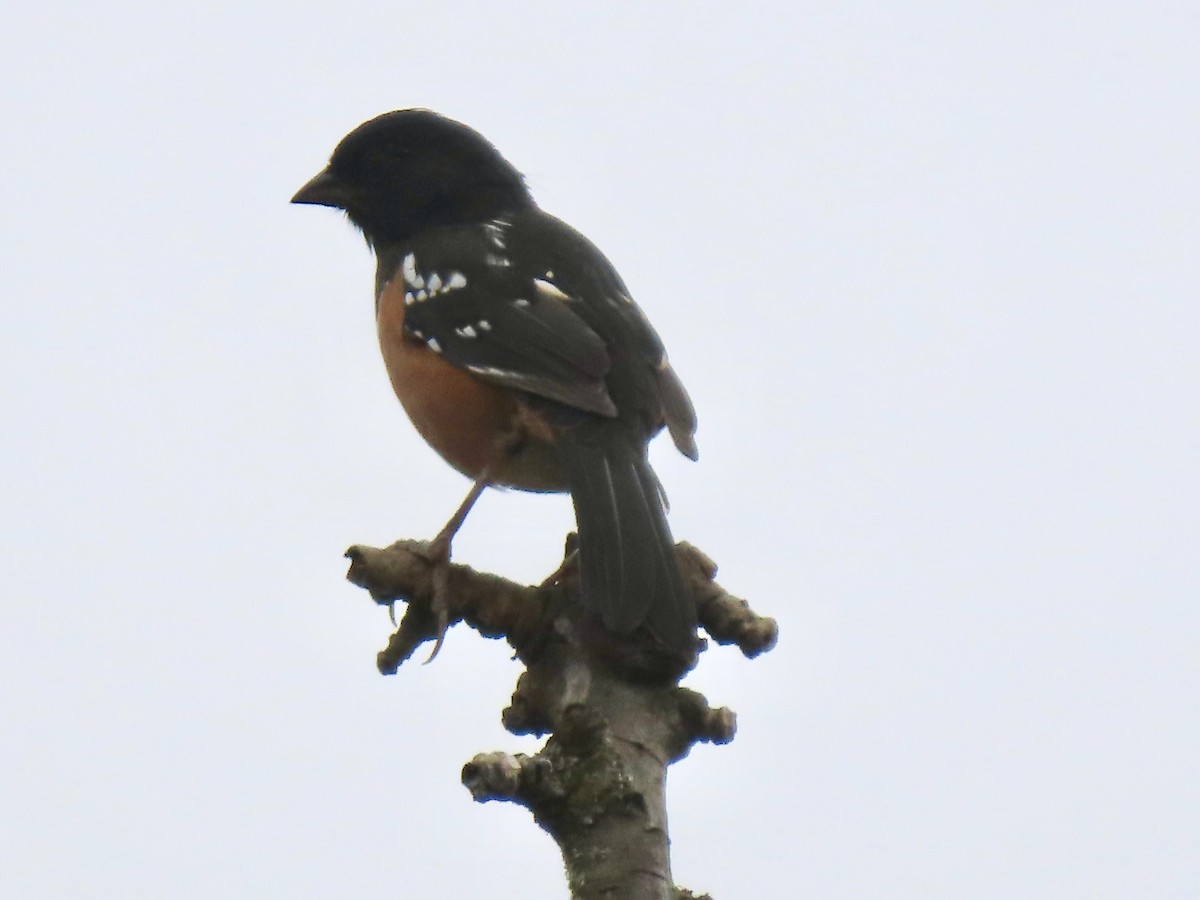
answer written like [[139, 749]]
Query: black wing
[[641, 378], [469, 302]]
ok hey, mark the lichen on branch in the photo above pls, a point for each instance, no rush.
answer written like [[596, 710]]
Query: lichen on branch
[[611, 705]]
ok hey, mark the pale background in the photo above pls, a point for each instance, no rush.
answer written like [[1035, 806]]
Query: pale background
[[930, 271]]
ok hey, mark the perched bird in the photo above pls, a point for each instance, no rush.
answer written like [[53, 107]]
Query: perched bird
[[518, 354]]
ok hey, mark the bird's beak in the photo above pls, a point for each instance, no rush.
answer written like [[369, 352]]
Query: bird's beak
[[324, 190]]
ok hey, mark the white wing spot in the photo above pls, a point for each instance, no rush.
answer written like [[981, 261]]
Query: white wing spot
[[433, 345], [421, 295], [408, 298], [435, 283], [520, 303], [485, 325], [495, 230], [495, 260], [455, 281], [488, 370], [411, 278], [550, 290], [466, 331]]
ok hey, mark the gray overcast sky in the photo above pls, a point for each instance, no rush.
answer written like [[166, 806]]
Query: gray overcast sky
[[930, 272]]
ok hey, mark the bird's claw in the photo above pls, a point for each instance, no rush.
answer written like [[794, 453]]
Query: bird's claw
[[439, 604], [565, 568]]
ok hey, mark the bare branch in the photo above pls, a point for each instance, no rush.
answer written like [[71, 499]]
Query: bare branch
[[611, 704]]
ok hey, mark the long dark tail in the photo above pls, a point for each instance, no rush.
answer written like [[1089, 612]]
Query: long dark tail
[[628, 570]]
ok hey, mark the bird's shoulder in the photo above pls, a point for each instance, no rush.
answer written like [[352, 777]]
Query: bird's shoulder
[[497, 313]]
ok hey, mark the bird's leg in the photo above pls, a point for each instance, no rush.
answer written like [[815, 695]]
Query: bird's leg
[[569, 563], [438, 554]]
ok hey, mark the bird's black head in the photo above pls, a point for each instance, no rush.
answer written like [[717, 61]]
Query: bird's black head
[[411, 169]]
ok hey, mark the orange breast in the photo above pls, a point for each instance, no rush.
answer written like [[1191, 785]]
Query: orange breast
[[461, 417], [469, 422]]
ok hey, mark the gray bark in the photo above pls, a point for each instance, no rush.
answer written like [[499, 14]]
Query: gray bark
[[610, 705]]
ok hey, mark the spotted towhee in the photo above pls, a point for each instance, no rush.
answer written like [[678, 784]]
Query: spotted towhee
[[517, 352]]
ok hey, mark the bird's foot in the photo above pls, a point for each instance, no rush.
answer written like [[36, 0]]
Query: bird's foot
[[438, 555], [564, 570]]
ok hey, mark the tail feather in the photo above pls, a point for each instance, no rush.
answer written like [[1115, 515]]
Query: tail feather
[[628, 569]]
